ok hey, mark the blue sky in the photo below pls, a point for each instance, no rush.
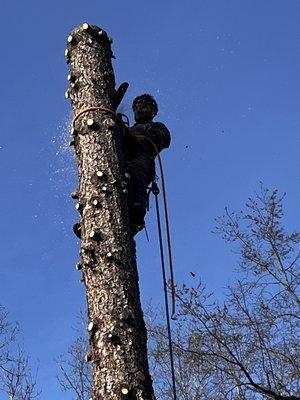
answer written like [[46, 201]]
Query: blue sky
[[226, 77]]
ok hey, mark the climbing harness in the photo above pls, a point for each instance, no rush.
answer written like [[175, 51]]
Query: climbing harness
[[155, 190]]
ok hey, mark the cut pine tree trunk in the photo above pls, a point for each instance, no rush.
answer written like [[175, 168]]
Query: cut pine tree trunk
[[118, 342]]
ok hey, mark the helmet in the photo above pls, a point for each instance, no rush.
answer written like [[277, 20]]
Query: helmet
[[147, 98]]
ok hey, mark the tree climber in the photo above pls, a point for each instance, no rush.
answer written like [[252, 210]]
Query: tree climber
[[148, 139]]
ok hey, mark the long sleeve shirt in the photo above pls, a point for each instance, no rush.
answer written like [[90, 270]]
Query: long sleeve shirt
[[140, 154]]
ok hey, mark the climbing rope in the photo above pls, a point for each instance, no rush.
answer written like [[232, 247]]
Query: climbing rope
[[169, 242], [155, 191]]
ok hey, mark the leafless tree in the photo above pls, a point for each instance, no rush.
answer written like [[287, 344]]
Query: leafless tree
[[75, 373], [191, 378], [16, 379], [248, 347]]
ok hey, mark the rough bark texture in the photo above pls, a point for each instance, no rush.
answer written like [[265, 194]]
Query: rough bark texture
[[118, 351]]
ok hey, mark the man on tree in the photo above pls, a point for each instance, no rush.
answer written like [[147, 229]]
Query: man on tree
[[148, 139]]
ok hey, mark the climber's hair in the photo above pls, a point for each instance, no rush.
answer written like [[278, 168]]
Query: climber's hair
[[145, 98]]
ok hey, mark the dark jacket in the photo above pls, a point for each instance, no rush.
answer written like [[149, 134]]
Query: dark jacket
[[140, 154]]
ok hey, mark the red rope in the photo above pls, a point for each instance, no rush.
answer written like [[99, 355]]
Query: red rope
[[96, 108], [165, 201]]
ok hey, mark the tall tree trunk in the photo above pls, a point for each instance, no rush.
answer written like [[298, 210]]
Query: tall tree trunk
[[118, 342]]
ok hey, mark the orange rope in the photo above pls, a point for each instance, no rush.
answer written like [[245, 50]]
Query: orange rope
[[165, 201], [95, 108]]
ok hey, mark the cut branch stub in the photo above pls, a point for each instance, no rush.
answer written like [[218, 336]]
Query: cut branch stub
[[72, 40], [91, 326], [67, 55], [101, 176], [71, 78], [75, 195], [124, 390], [79, 266], [91, 123], [96, 203], [79, 207], [86, 26], [105, 189], [95, 235]]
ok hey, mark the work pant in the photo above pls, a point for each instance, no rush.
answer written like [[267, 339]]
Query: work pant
[[140, 178]]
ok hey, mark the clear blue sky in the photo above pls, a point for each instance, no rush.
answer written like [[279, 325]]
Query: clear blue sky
[[226, 76]]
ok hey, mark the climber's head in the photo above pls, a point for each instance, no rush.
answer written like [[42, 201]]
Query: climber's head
[[144, 108]]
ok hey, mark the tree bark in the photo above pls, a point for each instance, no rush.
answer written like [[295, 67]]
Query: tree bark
[[118, 341]]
